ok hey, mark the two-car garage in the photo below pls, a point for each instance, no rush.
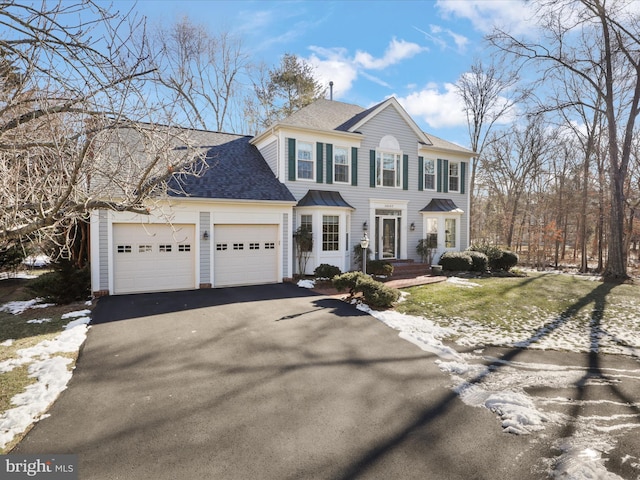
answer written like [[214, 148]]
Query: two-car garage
[[163, 257]]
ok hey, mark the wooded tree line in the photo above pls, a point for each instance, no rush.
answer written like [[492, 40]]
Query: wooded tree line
[[559, 183]]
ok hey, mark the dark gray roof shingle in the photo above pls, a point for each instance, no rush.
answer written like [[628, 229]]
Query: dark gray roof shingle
[[236, 171]]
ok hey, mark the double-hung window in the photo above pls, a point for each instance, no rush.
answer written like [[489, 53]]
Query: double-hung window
[[330, 233], [305, 161], [454, 176], [340, 165], [388, 168], [429, 174]]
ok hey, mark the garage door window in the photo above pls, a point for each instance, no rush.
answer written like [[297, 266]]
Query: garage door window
[[165, 248], [124, 248], [254, 246], [221, 246], [269, 246], [185, 247], [145, 248], [238, 246]]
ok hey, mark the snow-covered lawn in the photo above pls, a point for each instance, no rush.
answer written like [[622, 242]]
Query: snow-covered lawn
[[48, 363], [501, 385]]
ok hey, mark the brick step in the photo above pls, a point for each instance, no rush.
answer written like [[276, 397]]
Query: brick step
[[408, 270]]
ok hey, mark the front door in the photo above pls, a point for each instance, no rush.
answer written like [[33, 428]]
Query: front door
[[387, 237]]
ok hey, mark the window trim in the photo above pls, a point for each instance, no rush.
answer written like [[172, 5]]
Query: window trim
[[331, 238], [424, 174], [312, 161], [457, 177], [346, 164], [397, 161]]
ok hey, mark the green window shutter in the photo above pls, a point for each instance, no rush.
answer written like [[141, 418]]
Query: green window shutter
[[405, 172], [463, 175], [420, 173], [372, 168], [439, 172], [445, 176], [292, 159], [329, 163], [319, 167], [354, 166]]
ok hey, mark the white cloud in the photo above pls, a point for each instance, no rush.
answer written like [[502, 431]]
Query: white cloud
[[438, 36], [397, 51], [437, 107], [514, 15], [333, 64], [337, 65]]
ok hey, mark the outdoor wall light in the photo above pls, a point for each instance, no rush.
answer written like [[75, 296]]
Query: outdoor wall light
[[412, 227], [205, 235], [365, 226]]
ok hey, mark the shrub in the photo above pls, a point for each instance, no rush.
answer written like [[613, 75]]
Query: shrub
[[379, 267], [492, 252], [456, 261], [65, 284], [480, 262], [377, 294], [347, 281], [506, 262], [11, 257], [325, 270]]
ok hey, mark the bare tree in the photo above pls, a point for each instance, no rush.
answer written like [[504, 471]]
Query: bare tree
[[488, 93], [77, 86], [201, 72], [596, 41]]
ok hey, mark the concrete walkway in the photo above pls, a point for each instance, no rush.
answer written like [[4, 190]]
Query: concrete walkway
[[269, 382]]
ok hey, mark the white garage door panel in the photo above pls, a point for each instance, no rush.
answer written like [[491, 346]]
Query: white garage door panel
[[245, 254], [153, 258]]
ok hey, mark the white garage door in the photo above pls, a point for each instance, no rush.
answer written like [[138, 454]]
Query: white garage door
[[245, 254], [153, 258]]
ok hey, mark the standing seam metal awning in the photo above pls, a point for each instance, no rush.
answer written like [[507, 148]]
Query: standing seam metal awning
[[323, 198], [442, 205]]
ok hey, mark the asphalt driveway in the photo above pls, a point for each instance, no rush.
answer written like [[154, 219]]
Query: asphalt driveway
[[268, 382]]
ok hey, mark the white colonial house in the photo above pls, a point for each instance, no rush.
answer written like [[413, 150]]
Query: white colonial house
[[338, 169]]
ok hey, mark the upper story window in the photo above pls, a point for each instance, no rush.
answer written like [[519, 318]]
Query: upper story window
[[429, 174], [388, 169], [454, 176], [305, 162], [340, 165]]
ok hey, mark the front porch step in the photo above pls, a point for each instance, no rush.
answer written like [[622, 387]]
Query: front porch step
[[409, 269]]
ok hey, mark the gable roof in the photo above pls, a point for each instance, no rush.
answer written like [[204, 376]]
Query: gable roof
[[236, 171], [331, 115]]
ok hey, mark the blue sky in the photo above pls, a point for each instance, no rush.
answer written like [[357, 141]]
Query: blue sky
[[414, 50]]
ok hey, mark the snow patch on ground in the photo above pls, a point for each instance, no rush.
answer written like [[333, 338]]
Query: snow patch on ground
[[18, 307], [50, 371], [306, 283], [462, 282]]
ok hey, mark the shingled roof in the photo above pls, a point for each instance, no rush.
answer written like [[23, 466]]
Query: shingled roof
[[236, 171]]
